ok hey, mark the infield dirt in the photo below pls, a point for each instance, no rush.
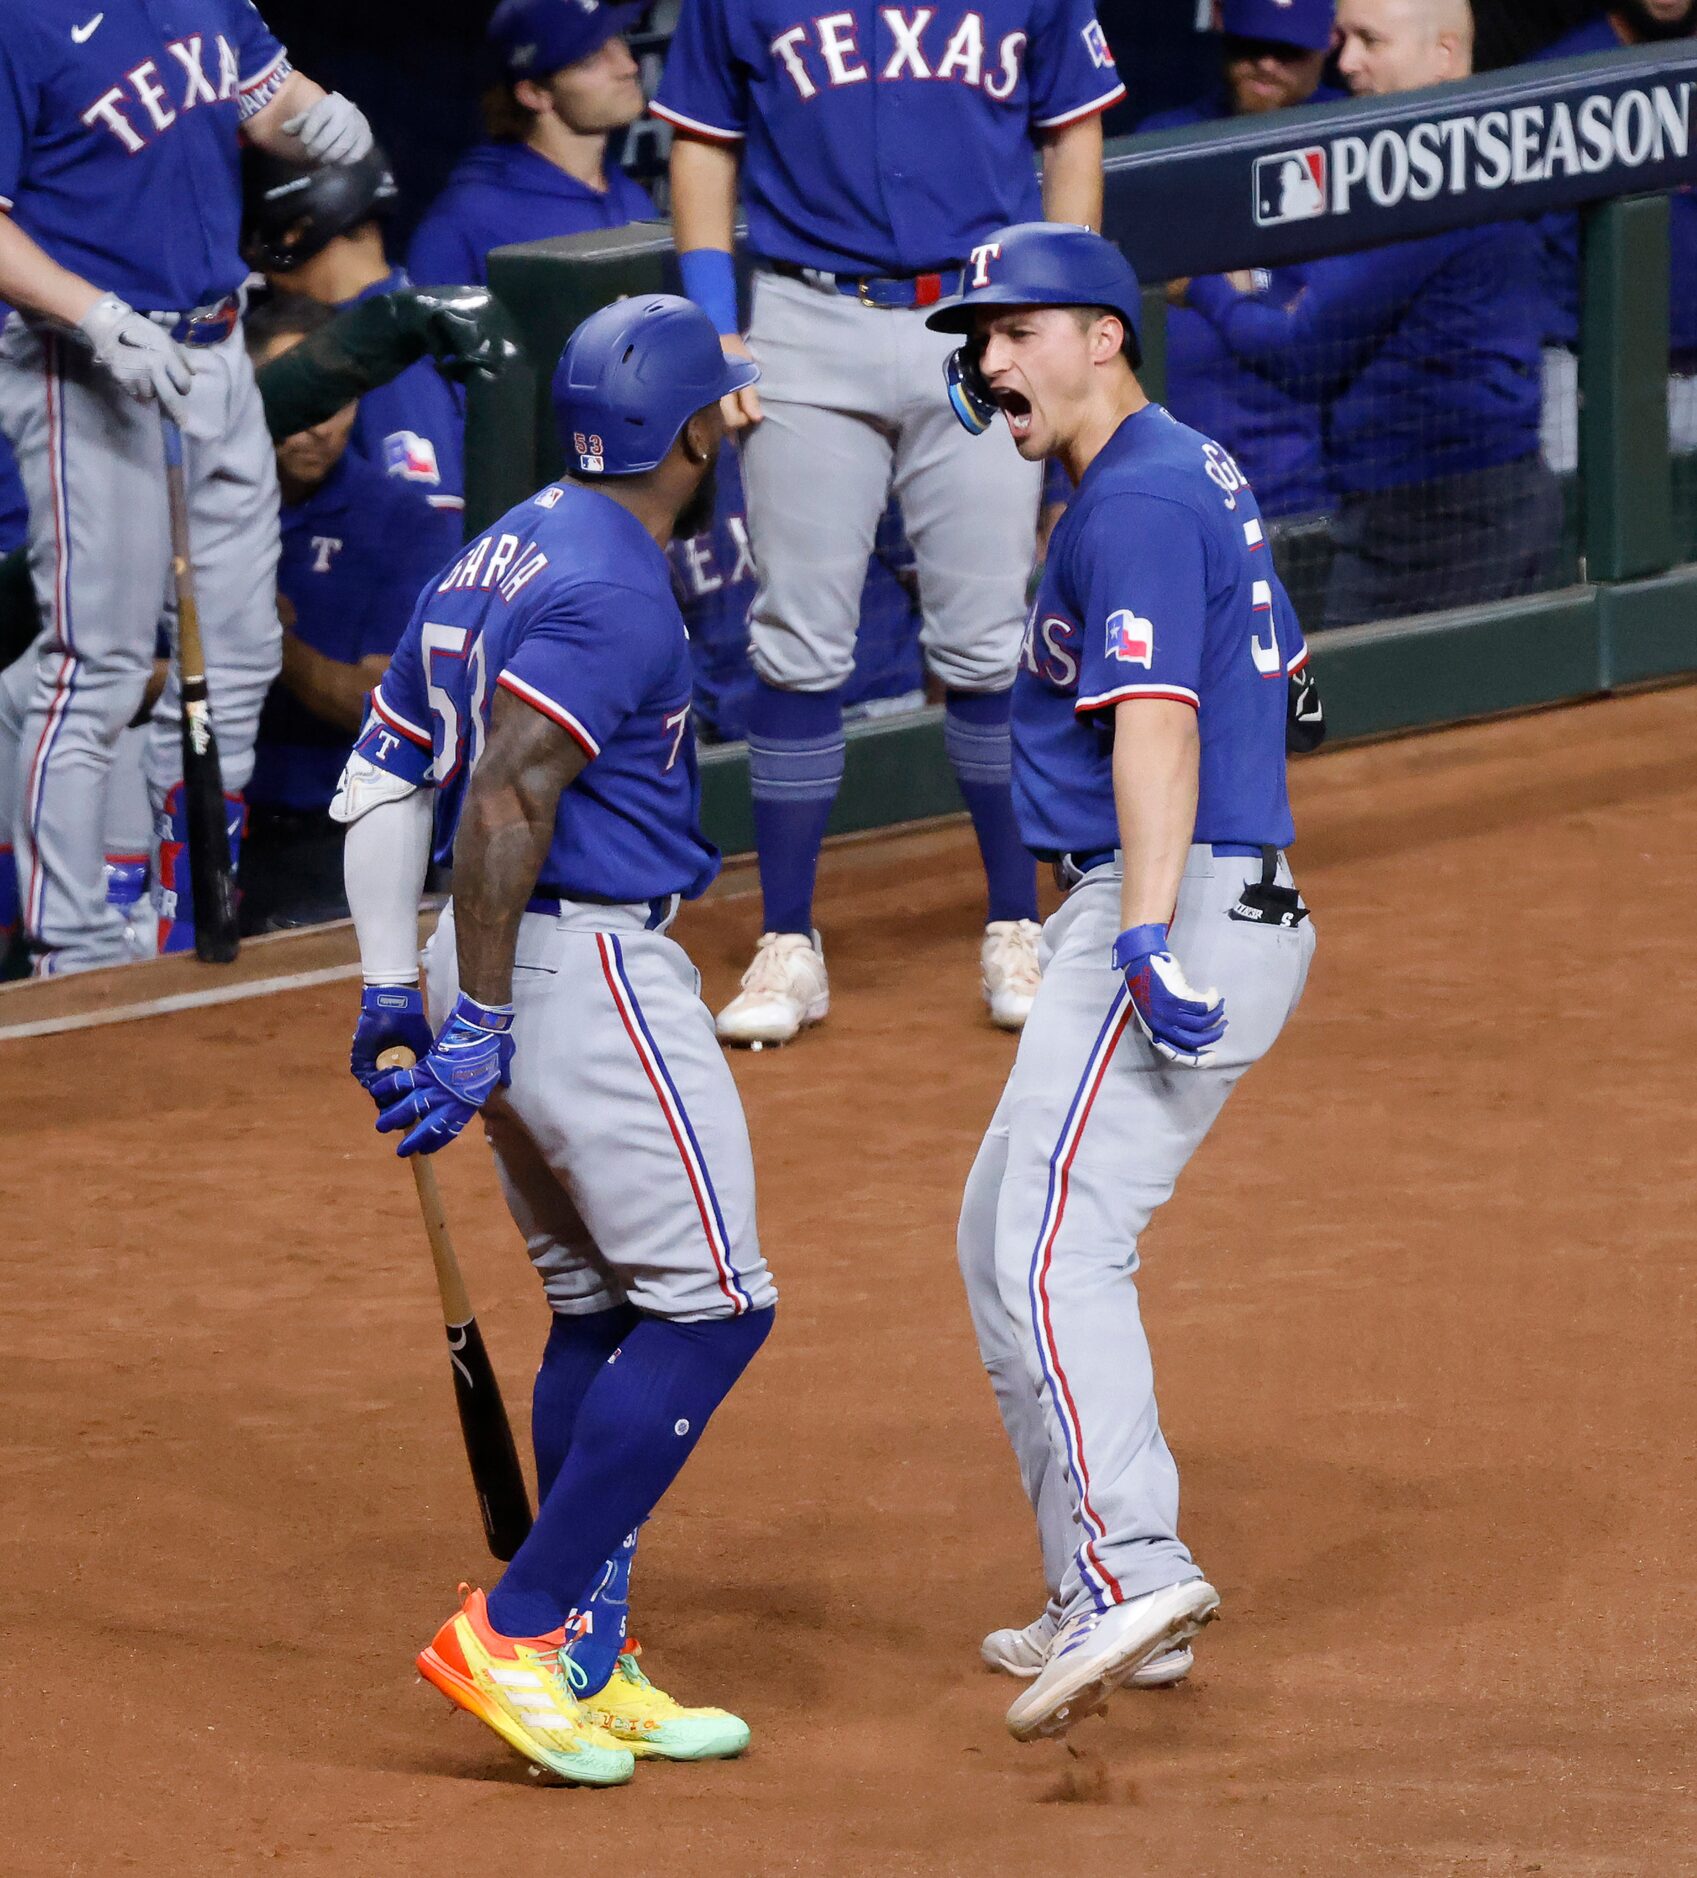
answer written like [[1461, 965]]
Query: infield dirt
[[1424, 1314]]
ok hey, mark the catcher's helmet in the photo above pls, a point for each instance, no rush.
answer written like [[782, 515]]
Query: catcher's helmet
[[632, 376], [1033, 264], [292, 211]]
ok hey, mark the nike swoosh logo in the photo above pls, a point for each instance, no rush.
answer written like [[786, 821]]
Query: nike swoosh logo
[[81, 35]]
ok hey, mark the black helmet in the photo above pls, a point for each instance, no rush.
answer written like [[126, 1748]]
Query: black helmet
[[292, 211]]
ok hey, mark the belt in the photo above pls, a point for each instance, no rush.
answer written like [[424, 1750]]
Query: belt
[[206, 326], [662, 910], [892, 291], [1070, 869]]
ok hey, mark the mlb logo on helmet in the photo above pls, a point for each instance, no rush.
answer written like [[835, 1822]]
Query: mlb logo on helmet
[[1290, 187], [1131, 639], [408, 455]]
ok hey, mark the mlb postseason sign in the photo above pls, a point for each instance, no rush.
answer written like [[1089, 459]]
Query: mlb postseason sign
[[1258, 191]]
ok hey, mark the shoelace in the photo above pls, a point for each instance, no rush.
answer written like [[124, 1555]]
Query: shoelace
[[767, 973]]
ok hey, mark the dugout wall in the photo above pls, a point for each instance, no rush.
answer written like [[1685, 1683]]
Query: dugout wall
[[1603, 135]]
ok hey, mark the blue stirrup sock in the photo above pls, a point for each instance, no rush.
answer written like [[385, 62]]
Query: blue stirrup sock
[[577, 1348], [637, 1424], [598, 1627], [795, 767], [979, 746]]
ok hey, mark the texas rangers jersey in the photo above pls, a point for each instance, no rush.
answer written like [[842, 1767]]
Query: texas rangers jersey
[[884, 139], [355, 553], [119, 125], [566, 603], [1159, 584], [413, 428]]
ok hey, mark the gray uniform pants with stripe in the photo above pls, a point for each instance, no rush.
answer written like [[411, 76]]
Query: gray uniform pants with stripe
[[92, 462], [855, 409], [621, 1143], [1091, 1134]]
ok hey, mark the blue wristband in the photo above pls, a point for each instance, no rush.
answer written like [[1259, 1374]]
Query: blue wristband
[[1135, 941], [710, 280], [493, 1017]]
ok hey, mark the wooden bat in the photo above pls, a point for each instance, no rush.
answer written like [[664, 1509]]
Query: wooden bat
[[211, 877], [502, 1497]]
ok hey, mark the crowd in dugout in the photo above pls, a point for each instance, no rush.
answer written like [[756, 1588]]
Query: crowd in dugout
[[1390, 485]]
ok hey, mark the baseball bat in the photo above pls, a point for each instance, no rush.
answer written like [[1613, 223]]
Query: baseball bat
[[502, 1498], [211, 877]]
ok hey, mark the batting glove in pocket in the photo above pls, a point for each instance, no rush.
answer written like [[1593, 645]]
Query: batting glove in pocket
[[390, 1017], [467, 1063], [1182, 1023]]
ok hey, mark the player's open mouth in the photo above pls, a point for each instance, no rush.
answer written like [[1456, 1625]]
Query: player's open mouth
[[1016, 408]]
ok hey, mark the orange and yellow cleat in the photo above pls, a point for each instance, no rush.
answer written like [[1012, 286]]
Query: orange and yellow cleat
[[518, 1686], [654, 1726]]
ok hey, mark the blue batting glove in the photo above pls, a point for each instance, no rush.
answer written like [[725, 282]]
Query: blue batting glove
[[467, 1063], [389, 1016], [1183, 1024]]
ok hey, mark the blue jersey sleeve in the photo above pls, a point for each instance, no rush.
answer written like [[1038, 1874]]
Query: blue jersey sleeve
[[581, 660], [19, 100], [396, 735], [1137, 573], [1069, 66], [704, 87], [261, 63]]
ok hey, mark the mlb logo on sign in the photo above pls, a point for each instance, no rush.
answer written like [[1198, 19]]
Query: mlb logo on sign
[[1290, 187], [1131, 640]]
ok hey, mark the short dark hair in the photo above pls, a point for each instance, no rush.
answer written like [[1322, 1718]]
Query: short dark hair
[[1129, 349], [282, 316], [506, 118]]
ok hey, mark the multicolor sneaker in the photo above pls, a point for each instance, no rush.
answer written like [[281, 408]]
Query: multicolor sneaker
[[518, 1687], [654, 1726]]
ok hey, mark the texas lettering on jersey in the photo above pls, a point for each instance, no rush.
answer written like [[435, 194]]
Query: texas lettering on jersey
[[827, 51], [147, 100]]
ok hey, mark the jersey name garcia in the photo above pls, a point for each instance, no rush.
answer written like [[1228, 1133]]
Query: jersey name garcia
[[567, 604], [884, 138], [1159, 584]]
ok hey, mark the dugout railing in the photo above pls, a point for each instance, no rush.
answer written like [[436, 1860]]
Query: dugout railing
[[1605, 136]]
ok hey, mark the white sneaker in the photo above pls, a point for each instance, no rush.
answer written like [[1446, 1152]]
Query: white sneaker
[[1023, 1653], [1008, 959], [1097, 1653], [783, 991]]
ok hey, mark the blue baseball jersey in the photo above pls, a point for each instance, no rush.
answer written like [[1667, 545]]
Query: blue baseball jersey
[[119, 133], [884, 139], [1159, 584], [566, 603], [354, 555], [501, 193], [413, 428]]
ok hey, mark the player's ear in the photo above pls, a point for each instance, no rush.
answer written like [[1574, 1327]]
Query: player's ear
[[1107, 338], [702, 435]]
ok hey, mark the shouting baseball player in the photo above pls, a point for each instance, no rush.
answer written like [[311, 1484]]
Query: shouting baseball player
[[539, 705], [120, 182], [876, 146], [1149, 767]]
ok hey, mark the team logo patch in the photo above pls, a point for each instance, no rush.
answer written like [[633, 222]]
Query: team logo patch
[[1096, 44], [1290, 187], [1131, 639], [550, 497], [412, 457]]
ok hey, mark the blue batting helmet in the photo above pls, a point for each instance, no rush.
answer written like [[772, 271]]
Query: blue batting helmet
[[1033, 264], [632, 376]]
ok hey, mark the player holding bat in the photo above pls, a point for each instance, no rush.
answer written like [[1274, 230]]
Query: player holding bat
[[534, 728]]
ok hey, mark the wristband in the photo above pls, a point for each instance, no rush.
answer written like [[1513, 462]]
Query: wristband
[[1136, 941], [710, 280], [492, 1017]]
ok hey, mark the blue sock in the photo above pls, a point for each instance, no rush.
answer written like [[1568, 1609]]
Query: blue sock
[[638, 1423], [980, 751], [577, 1347], [795, 767], [601, 1622]]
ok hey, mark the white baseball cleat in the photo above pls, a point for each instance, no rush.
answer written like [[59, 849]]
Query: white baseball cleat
[[1008, 960], [1099, 1652], [1023, 1653], [783, 991]]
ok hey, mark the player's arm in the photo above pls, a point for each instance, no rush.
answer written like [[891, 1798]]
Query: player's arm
[[32, 279], [1157, 766], [1072, 173], [335, 690], [303, 123], [504, 832], [704, 213]]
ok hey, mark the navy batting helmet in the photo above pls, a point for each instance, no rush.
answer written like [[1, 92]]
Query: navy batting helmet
[[632, 376], [292, 211], [1033, 264]]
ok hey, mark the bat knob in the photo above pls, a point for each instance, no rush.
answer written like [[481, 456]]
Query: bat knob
[[399, 1057]]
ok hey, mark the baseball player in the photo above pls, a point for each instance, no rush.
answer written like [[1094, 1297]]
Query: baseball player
[[875, 148], [567, 83], [357, 545], [319, 233], [120, 187], [1149, 766], [537, 713]]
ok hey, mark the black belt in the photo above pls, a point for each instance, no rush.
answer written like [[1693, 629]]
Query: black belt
[[1070, 869], [891, 291], [661, 909]]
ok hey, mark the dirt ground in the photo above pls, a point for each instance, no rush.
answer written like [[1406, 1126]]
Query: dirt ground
[[1423, 1321]]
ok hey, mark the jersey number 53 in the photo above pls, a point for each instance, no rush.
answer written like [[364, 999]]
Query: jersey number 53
[[457, 682]]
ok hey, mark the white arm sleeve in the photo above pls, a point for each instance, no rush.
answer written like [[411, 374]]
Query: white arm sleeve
[[384, 861]]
